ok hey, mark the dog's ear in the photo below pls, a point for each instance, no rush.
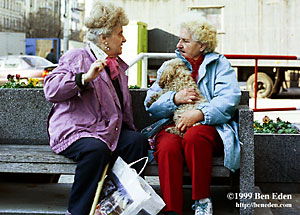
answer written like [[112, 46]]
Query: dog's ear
[[162, 79], [167, 75]]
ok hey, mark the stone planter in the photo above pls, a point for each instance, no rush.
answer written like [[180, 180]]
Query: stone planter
[[277, 158], [23, 115], [23, 120]]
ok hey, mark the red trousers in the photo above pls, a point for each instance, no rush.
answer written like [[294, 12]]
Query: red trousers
[[196, 150]]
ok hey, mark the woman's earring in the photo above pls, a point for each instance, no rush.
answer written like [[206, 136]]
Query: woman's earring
[[106, 46]]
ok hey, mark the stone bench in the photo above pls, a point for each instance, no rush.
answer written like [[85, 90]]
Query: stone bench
[[24, 146]]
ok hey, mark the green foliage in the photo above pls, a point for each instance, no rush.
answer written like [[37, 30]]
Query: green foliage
[[134, 87], [271, 127], [17, 83]]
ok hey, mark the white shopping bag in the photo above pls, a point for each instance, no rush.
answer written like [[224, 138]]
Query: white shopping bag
[[126, 193], [155, 203]]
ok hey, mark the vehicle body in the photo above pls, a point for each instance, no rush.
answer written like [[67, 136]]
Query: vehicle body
[[25, 66], [272, 75]]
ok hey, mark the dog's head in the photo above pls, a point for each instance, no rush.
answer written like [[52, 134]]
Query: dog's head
[[167, 76]]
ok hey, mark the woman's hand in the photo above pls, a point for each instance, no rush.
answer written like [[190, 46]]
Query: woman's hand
[[94, 71], [186, 96], [188, 119]]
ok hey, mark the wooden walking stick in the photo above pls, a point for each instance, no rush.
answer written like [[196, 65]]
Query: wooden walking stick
[[98, 191]]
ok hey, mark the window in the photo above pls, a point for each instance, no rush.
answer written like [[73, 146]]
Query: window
[[56, 6], [36, 61], [26, 63], [214, 14], [19, 24], [6, 22]]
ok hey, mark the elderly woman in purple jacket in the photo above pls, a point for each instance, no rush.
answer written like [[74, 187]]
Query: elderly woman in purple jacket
[[91, 120]]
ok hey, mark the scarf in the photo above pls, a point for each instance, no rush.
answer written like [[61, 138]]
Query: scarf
[[113, 66], [195, 66]]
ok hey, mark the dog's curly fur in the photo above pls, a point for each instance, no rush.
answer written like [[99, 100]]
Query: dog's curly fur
[[175, 77]]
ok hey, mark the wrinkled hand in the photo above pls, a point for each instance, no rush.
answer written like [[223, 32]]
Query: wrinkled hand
[[94, 70], [186, 96], [188, 119]]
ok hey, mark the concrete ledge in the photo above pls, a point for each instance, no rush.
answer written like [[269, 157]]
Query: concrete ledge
[[23, 116], [277, 162], [24, 112], [44, 199], [246, 179]]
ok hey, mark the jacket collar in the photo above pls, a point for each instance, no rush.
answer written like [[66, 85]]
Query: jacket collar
[[187, 63], [208, 58], [89, 51], [122, 64], [98, 52], [105, 77]]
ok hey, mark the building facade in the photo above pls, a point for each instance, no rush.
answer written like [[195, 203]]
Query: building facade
[[244, 27], [35, 16], [11, 15]]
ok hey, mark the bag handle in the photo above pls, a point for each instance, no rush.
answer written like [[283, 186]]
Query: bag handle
[[134, 162]]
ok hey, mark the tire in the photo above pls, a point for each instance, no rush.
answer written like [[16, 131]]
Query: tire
[[264, 85]]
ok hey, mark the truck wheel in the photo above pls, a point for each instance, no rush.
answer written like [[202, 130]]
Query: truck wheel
[[264, 85]]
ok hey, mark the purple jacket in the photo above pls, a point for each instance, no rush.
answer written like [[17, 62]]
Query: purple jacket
[[92, 112]]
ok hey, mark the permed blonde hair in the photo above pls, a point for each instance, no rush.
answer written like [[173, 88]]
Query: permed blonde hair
[[103, 19], [200, 29]]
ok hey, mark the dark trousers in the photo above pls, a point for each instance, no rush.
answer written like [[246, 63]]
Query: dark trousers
[[92, 156]]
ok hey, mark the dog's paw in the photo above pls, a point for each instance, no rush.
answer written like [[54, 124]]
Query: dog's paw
[[174, 130]]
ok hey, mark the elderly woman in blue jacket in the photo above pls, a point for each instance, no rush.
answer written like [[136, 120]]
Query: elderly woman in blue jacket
[[91, 120], [217, 132]]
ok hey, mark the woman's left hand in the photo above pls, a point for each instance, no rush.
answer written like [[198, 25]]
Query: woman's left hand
[[188, 119]]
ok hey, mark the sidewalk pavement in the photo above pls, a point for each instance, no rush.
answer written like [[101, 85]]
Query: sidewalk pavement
[[51, 199]]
